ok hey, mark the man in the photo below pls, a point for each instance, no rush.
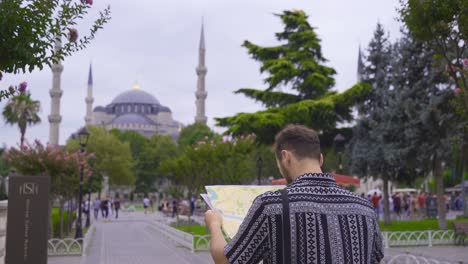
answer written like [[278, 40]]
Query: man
[[146, 203], [397, 205], [117, 207], [96, 206], [422, 204], [375, 202], [325, 223], [105, 210]]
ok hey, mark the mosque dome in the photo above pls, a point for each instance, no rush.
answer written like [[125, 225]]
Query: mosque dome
[[132, 119], [135, 96]]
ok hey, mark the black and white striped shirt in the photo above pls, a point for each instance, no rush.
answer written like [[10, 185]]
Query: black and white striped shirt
[[328, 225]]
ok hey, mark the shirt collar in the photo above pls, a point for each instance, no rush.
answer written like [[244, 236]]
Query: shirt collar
[[326, 177]]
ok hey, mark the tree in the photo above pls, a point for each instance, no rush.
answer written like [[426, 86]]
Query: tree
[[148, 164], [443, 24], [22, 111], [113, 157], [368, 148], [194, 133], [297, 66], [30, 28], [62, 166]]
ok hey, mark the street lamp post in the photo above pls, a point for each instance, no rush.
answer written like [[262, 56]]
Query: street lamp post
[[83, 136], [91, 163], [339, 139], [259, 168]]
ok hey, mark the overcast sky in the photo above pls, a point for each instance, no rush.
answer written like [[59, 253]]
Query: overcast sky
[[156, 42]]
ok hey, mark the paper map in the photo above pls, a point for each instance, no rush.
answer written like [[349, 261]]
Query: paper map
[[233, 202]]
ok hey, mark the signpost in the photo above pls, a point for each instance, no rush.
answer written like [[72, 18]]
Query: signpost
[[27, 221]]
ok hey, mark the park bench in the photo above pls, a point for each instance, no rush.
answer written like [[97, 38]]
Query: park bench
[[460, 230]]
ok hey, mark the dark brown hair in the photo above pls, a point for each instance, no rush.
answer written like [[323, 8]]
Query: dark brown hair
[[302, 141]]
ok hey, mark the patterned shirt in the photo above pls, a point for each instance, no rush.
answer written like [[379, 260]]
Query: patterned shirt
[[328, 225]]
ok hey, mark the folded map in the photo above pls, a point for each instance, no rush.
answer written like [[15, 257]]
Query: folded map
[[233, 202]]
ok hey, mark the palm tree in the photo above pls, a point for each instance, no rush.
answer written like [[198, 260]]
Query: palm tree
[[23, 111]]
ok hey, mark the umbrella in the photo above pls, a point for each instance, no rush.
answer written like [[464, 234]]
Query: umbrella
[[371, 192]]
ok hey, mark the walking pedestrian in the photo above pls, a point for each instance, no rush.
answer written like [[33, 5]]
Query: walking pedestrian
[[397, 205], [146, 204], [96, 206], [105, 209], [174, 208], [375, 203], [116, 207], [312, 220]]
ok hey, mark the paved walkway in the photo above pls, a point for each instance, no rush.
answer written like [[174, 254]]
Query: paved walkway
[[131, 240]]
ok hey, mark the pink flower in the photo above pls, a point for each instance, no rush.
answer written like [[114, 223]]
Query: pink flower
[[57, 158], [22, 87], [465, 62], [201, 143], [457, 90], [73, 35], [88, 2], [37, 142], [242, 137], [206, 137]]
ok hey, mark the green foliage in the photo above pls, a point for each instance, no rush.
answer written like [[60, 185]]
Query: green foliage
[[212, 162], [113, 158], [322, 114], [23, 111], [158, 149], [56, 220], [194, 133], [443, 24], [29, 29], [298, 65], [415, 225]]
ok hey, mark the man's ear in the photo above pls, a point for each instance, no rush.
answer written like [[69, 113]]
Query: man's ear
[[285, 156], [321, 160]]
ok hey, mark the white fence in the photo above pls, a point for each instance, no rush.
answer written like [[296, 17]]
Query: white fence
[[70, 246], [418, 238], [182, 238], [411, 259]]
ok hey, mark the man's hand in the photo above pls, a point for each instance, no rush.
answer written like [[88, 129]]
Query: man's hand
[[213, 220]]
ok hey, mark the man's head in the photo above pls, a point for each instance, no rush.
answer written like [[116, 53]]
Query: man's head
[[297, 147], [375, 193]]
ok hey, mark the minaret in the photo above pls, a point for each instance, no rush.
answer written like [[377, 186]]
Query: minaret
[[89, 99], [360, 66], [55, 93], [201, 94]]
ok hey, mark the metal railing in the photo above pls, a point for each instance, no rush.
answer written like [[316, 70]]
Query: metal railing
[[70, 246], [418, 238], [182, 238], [412, 259]]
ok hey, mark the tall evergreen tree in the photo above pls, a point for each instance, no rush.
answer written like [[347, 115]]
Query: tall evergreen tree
[[430, 122], [298, 85], [367, 149]]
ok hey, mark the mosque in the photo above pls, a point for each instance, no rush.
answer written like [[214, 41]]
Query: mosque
[[134, 109]]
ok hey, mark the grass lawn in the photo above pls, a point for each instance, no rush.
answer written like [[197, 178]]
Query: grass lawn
[[196, 230], [416, 225]]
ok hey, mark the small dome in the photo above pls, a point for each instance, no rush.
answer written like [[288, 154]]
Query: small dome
[[132, 119], [135, 96], [99, 109]]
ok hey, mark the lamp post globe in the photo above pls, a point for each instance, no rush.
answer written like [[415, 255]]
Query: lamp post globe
[[83, 136]]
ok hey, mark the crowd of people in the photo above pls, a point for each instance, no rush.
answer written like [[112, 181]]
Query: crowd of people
[[414, 206], [175, 207], [109, 207]]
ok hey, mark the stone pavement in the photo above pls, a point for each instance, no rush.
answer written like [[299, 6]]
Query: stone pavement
[[451, 254], [131, 240]]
